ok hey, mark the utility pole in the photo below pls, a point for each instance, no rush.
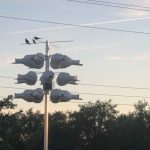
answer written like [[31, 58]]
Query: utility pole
[[46, 101], [57, 61]]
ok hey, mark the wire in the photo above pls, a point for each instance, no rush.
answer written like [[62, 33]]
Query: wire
[[87, 84], [122, 4], [9, 87], [112, 103], [76, 25], [108, 5], [7, 77], [115, 86], [126, 96], [41, 42], [132, 96], [91, 102]]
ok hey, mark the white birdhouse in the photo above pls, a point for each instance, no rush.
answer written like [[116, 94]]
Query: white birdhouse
[[33, 61], [46, 80], [65, 78], [30, 78], [62, 96], [31, 95], [62, 61]]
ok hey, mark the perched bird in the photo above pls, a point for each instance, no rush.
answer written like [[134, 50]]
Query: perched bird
[[37, 38], [27, 41], [34, 41]]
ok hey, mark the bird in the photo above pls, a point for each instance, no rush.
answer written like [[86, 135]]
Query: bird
[[37, 38], [34, 41], [27, 41]]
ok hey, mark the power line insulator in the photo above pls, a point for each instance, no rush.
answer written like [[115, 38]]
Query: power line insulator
[[30, 78]]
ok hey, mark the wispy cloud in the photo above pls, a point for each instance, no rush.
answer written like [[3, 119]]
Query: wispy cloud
[[140, 57], [116, 58], [136, 13], [132, 14]]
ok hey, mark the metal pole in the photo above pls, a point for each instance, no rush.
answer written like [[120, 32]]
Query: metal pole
[[46, 125], [46, 95]]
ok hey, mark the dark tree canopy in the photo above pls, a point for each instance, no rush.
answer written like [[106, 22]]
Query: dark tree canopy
[[96, 126], [6, 103]]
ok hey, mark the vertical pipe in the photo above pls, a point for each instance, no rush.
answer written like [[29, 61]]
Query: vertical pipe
[[46, 125], [46, 94]]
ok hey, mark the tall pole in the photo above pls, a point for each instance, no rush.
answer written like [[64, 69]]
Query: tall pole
[[46, 95]]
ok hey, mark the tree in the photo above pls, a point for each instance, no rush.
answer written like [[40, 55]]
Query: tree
[[6, 103], [130, 130], [95, 126], [92, 123]]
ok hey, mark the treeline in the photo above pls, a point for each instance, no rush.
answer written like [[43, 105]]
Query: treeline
[[96, 126]]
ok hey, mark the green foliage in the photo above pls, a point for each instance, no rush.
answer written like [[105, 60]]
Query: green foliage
[[94, 127], [7, 103]]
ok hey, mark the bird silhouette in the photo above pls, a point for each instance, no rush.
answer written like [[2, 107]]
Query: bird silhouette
[[27, 41], [37, 38], [34, 41]]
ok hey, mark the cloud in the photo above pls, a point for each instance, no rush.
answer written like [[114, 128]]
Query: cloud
[[139, 57], [116, 58], [132, 14], [136, 13], [142, 57]]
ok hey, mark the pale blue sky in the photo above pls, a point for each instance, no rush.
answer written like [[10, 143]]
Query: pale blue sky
[[109, 57]]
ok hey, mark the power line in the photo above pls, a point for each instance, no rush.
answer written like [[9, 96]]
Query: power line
[[41, 42], [10, 87], [115, 86], [126, 96], [108, 5], [122, 4], [112, 103], [100, 94], [75, 25], [7, 77], [89, 101], [101, 85]]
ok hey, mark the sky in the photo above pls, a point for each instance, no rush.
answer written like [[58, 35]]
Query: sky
[[108, 57]]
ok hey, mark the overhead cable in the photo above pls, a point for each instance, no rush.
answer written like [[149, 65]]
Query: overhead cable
[[122, 4], [116, 95], [75, 25], [101, 85], [115, 86], [7, 77], [108, 5], [93, 102]]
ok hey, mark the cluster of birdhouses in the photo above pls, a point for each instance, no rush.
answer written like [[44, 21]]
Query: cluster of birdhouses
[[57, 61]]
